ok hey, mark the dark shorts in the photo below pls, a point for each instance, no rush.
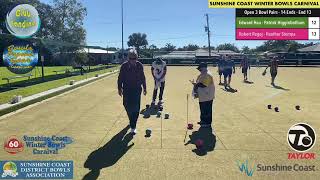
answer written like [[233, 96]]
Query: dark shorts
[[220, 72], [273, 73], [227, 73], [244, 70]]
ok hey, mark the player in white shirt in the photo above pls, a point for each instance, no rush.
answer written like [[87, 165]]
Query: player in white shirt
[[158, 70]]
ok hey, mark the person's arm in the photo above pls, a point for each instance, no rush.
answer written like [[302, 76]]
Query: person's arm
[[143, 81], [152, 72], [120, 80], [164, 72], [214, 89]]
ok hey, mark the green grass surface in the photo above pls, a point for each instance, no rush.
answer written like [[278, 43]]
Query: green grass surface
[[36, 72], [42, 86]]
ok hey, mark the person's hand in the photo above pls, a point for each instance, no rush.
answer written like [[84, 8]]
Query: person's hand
[[120, 92], [145, 92], [192, 82]]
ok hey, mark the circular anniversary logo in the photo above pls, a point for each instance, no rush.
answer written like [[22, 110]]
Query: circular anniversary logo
[[23, 21], [20, 58], [301, 137], [13, 145]]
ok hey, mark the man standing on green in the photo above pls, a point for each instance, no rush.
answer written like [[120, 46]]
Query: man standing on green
[[131, 80], [273, 64], [227, 72], [204, 90]]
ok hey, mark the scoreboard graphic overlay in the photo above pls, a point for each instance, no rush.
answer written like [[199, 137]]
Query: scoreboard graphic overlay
[[277, 24]]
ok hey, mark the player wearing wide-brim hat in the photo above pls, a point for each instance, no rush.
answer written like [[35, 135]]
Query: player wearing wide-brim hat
[[158, 71], [131, 80], [204, 90]]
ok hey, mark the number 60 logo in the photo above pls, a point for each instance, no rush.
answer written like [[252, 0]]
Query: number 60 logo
[[13, 145]]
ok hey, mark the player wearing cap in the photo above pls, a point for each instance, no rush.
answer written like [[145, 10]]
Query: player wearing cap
[[131, 80], [158, 71], [204, 90]]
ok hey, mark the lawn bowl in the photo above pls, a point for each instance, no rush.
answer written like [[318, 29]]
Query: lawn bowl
[[190, 126], [158, 114], [147, 106], [276, 109], [166, 116], [298, 107], [148, 132], [269, 106]]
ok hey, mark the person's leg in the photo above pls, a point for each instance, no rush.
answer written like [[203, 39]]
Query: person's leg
[[208, 112], [155, 92], [127, 105], [136, 109], [246, 74], [225, 77], [161, 91], [229, 80], [202, 112]]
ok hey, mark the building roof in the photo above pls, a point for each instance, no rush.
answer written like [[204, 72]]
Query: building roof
[[98, 51], [179, 55], [205, 53], [314, 48]]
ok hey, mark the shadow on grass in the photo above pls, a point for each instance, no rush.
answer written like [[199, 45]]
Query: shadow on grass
[[248, 82], [278, 87], [109, 154], [151, 111], [208, 138], [230, 90]]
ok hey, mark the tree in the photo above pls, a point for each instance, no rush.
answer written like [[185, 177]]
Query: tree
[[245, 50], [169, 47], [228, 46], [137, 40], [191, 47], [153, 47], [68, 21], [275, 46]]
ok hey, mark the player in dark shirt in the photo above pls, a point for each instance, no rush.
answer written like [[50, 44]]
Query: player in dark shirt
[[227, 71], [131, 80]]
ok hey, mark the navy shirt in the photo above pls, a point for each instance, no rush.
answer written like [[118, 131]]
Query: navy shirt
[[131, 77], [229, 64]]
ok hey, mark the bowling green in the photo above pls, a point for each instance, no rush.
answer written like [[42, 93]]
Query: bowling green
[[244, 129]]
